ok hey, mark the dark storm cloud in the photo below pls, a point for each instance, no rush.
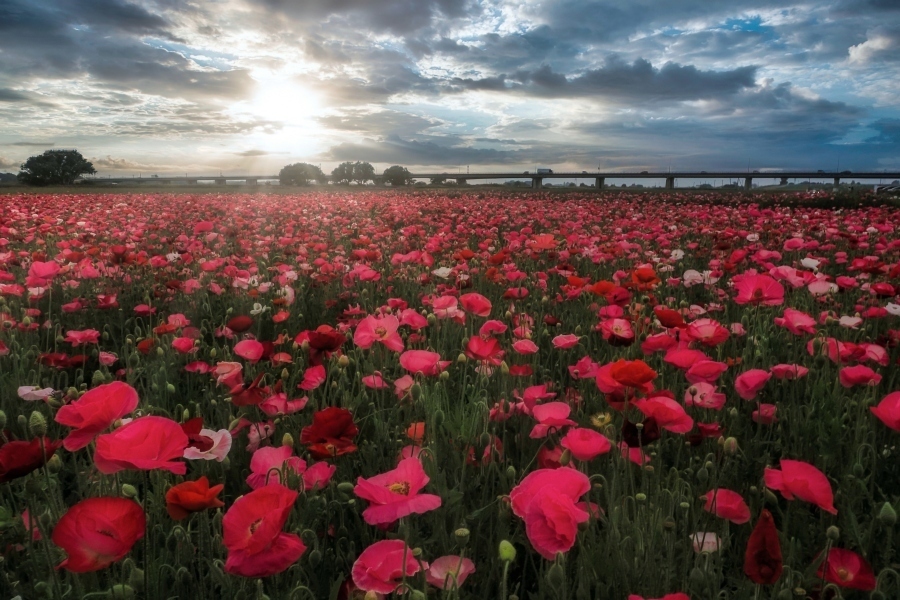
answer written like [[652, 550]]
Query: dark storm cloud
[[638, 81], [888, 132], [397, 150]]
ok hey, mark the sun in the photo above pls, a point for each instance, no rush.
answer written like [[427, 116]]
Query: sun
[[284, 101]]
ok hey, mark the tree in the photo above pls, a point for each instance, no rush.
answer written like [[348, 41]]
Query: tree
[[301, 174], [55, 167], [397, 176], [439, 180], [363, 172], [343, 173]]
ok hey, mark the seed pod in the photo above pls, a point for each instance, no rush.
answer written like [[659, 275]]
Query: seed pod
[[507, 551], [37, 424], [129, 491], [462, 536]]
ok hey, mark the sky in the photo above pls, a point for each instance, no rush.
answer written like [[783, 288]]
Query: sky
[[248, 86]]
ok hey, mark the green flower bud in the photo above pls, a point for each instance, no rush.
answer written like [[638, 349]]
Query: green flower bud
[[37, 423], [511, 473], [315, 558], [160, 351], [702, 475], [462, 358], [833, 533], [565, 458], [344, 361], [556, 576], [346, 487], [170, 388], [22, 421], [444, 376], [287, 440], [415, 391], [640, 497], [212, 353], [887, 515], [462, 536], [129, 491], [731, 446], [504, 368], [438, 418], [507, 551], [697, 577], [98, 379], [54, 464]]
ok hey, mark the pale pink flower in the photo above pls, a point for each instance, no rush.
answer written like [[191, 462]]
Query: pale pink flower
[[221, 445]]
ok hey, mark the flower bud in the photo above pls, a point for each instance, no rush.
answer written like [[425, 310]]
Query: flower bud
[[287, 440], [504, 368], [344, 361], [462, 358], [462, 536], [37, 424], [438, 418], [731, 446], [507, 551], [346, 487], [98, 379], [22, 421], [415, 390], [129, 491], [833, 533], [2, 420], [565, 458], [212, 352], [54, 464], [556, 576], [887, 515], [511, 473], [640, 497], [444, 376]]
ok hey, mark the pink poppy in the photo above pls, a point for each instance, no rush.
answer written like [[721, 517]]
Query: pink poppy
[[375, 381], [395, 494], [279, 404], [317, 476], [476, 304], [684, 358], [727, 504], [147, 443], [707, 371], [617, 332], [184, 345], [80, 338], [546, 500], [566, 341], [252, 533], [423, 361], [449, 572], [381, 567], [797, 322], [228, 374], [271, 465], [485, 349], [708, 332], [95, 411], [492, 327], [251, 350], [757, 289], [785, 371], [888, 410], [704, 395], [858, 375], [801, 480], [219, 446], [379, 329], [313, 377], [585, 444], [669, 414], [552, 415], [765, 414], [525, 347], [847, 569], [749, 383]]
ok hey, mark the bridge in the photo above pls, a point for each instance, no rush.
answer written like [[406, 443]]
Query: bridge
[[537, 179]]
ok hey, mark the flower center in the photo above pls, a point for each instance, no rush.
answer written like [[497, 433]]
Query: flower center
[[255, 525], [844, 574], [400, 487], [380, 331]]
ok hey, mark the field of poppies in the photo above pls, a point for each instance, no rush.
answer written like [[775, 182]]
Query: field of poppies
[[439, 394]]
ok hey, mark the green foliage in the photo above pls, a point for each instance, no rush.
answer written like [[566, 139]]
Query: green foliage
[[397, 176], [363, 172], [301, 174], [359, 172], [55, 167]]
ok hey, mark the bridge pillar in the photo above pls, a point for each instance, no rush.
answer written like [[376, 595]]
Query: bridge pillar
[[600, 182], [748, 183], [784, 181], [837, 181], [460, 181], [220, 181], [670, 183], [537, 182], [251, 181]]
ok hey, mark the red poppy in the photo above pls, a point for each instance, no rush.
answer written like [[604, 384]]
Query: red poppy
[[18, 459], [95, 411], [192, 496], [847, 569], [762, 561], [240, 323], [331, 433], [146, 443], [98, 532], [252, 533], [395, 494], [632, 373]]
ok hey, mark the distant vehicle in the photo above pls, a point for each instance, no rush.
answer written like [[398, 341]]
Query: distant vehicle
[[846, 172], [584, 171], [644, 172], [756, 171], [544, 171]]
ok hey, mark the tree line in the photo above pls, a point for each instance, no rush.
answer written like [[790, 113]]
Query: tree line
[[64, 167]]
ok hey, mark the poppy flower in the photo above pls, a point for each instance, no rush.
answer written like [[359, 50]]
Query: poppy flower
[[632, 373], [251, 350], [801, 480], [888, 410], [858, 375], [635, 437], [97, 532], [484, 349], [847, 569], [95, 411], [379, 329], [423, 361], [667, 413], [381, 567], [475, 304], [395, 494], [749, 383], [669, 318], [145, 444], [704, 395], [546, 500], [18, 459], [757, 289], [192, 496], [449, 572], [797, 322], [331, 433], [585, 444], [617, 332], [240, 323], [551, 415], [252, 533], [707, 371], [762, 560], [727, 504], [708, 332]]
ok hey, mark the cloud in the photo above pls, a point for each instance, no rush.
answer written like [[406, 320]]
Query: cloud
[[882, 44], [34, 143], [120, 164], [255, 152], [8, 163]]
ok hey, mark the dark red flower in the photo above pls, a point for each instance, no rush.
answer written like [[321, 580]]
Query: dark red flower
[[847, 569], [762, 562], [192, 429], [240, 323], [192, 496], [637, 437], [18, 459], [331, 433]]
